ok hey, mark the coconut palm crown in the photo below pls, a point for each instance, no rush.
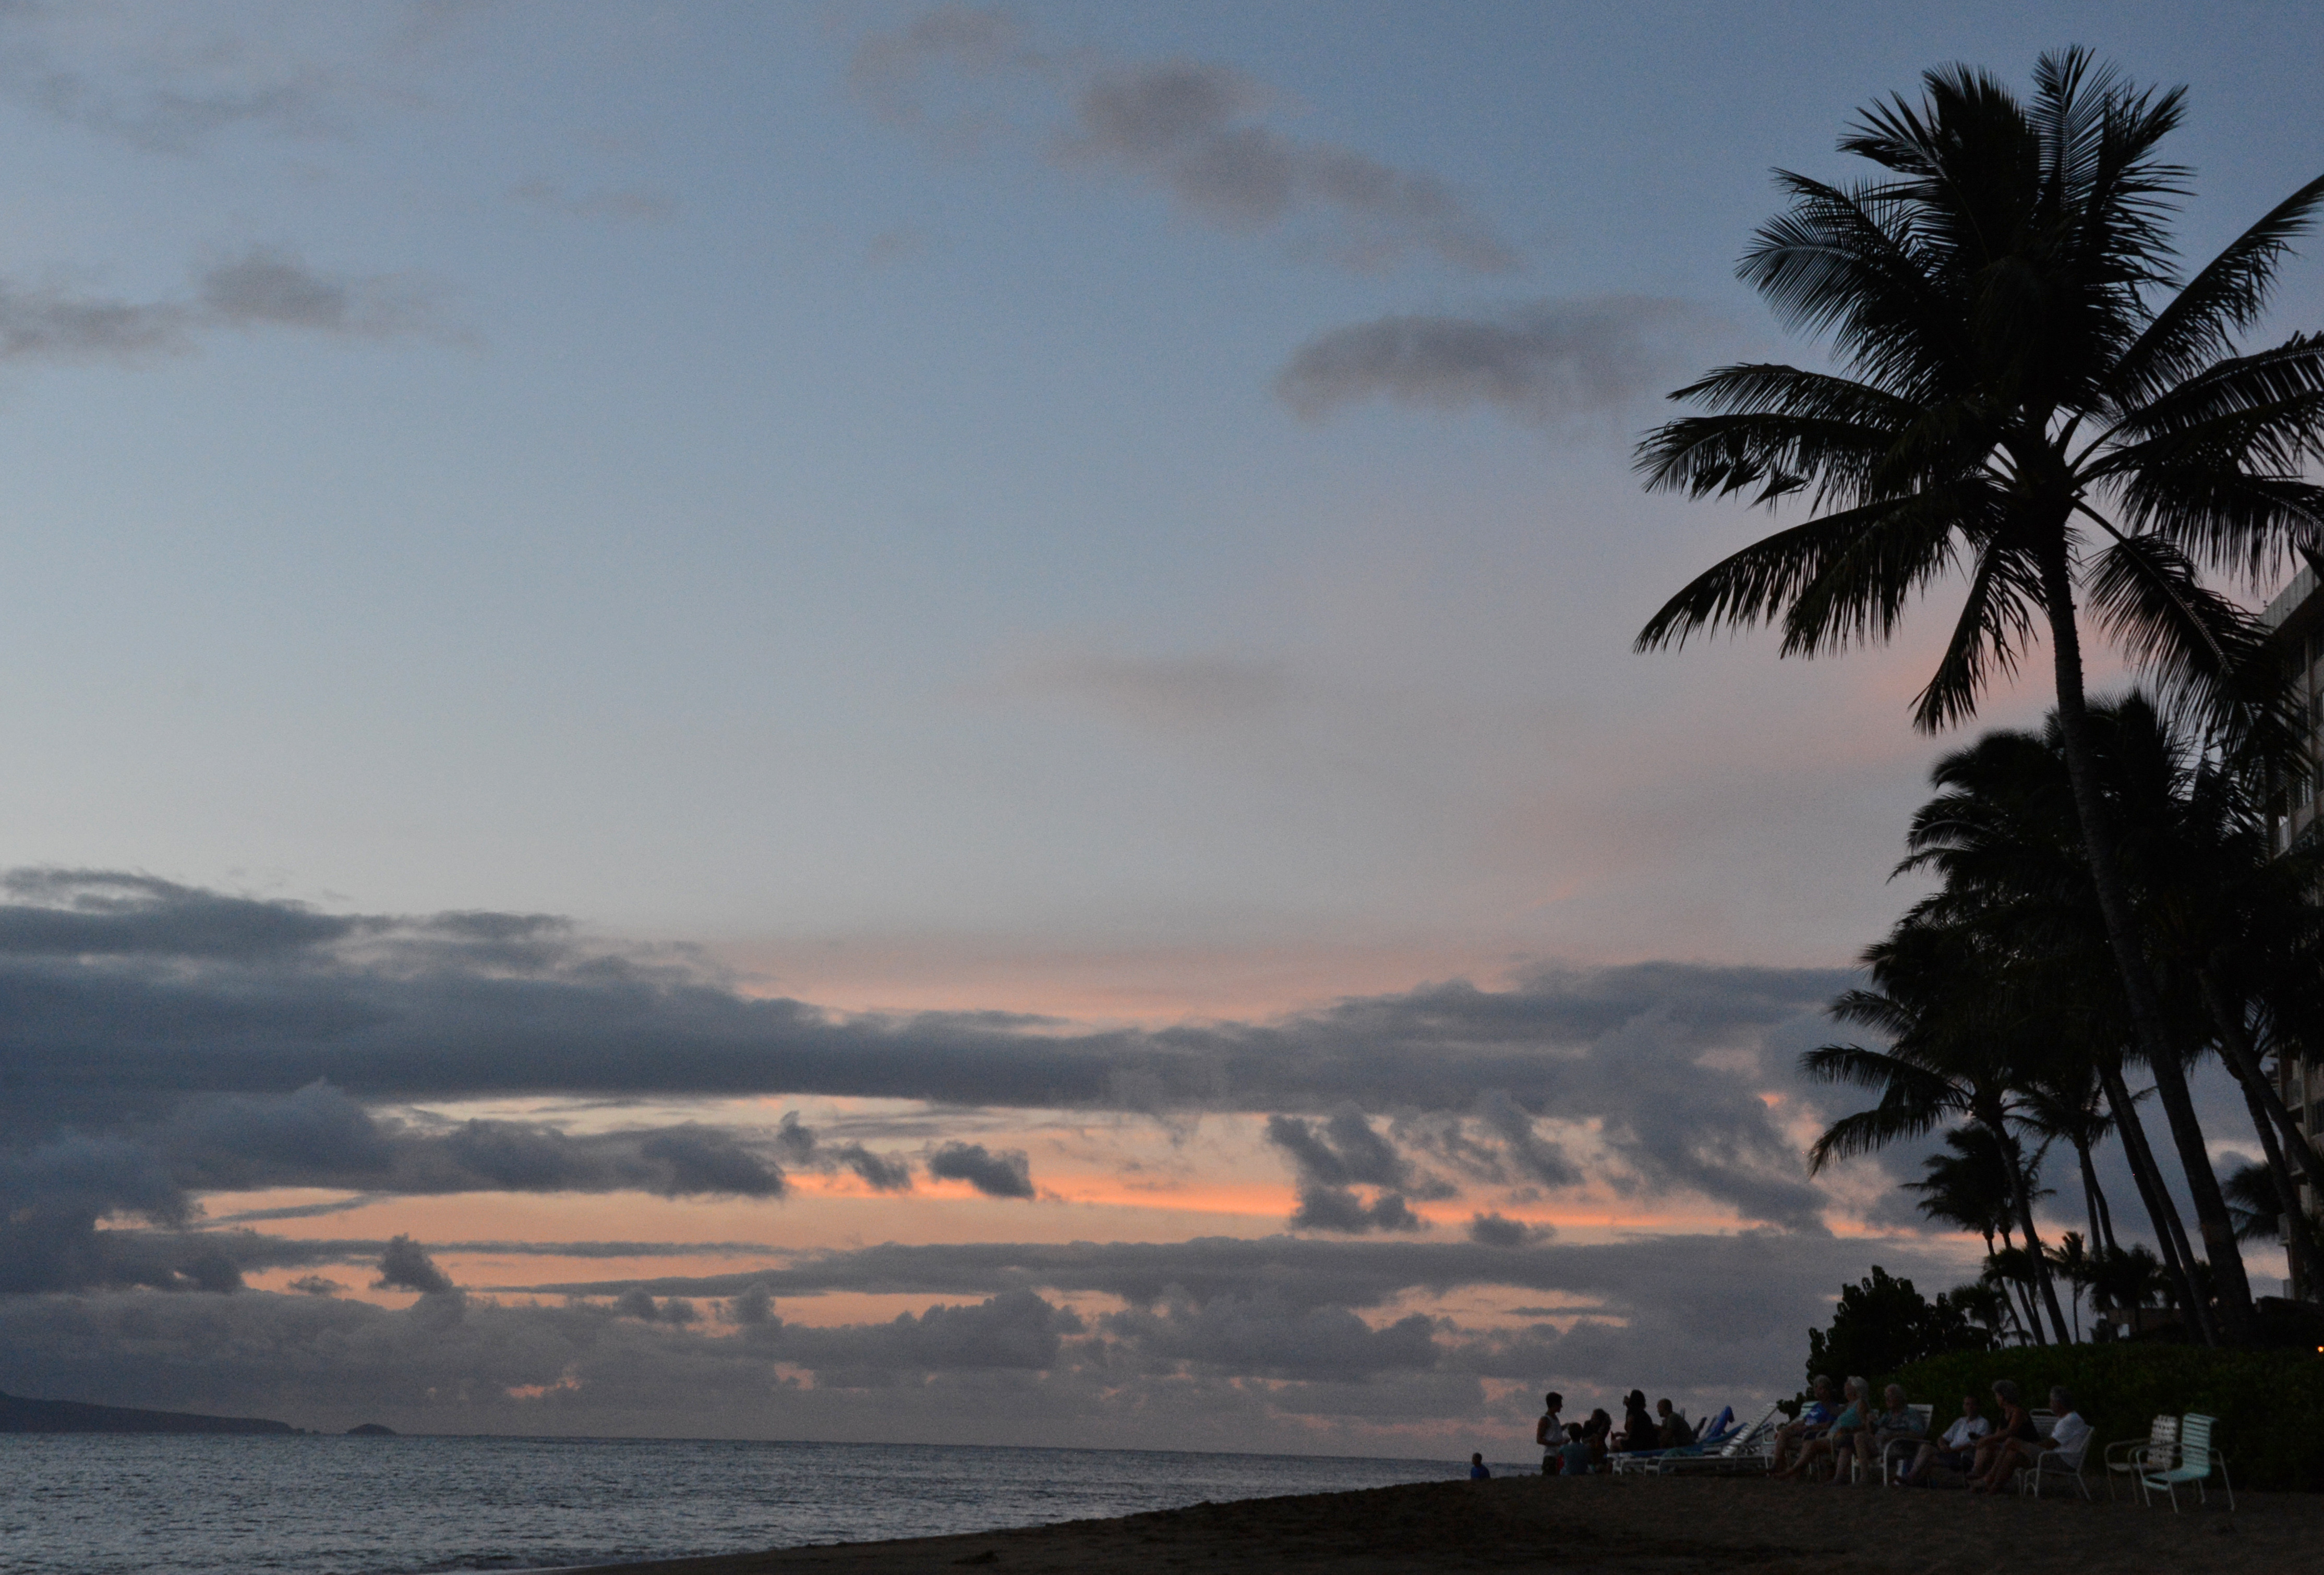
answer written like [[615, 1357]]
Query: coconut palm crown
[[2032, 396]]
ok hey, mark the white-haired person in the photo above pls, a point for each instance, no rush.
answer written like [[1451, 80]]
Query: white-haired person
[[1840, 1437], [1812, 1421]]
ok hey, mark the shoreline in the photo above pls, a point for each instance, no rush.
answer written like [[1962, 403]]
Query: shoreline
[[1632, 1525]]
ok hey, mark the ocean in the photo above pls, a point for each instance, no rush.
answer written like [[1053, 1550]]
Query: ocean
[[81, 1504]]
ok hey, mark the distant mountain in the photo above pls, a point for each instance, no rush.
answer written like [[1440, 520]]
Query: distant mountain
[[18, 1415]]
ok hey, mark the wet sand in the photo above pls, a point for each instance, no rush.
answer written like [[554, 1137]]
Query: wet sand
[[1627, 1525]]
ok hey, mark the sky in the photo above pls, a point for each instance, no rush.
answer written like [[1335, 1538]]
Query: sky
[[861, 722]]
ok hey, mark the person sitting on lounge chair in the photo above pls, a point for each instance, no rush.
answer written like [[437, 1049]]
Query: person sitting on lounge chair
[[1838, 1439], [1813, 1420], [1957, 1450], [1894, 1424], [2017, 1453], [2014, 1425], [1639, 1429], [1672, 1429]]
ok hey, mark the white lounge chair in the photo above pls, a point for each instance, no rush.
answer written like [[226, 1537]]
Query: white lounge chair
[[1745, 1450], [2050, 1462], [2135, 1457], [2197, 1460], [1911, 1446]]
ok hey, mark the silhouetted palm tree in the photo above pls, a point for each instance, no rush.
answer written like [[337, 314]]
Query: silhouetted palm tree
[[2035, 397], [1942, 997]]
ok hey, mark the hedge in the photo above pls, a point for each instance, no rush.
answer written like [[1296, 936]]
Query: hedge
[[2270, 1403]]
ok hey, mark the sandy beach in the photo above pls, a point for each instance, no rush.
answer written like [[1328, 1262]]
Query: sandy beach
[[1612, 1525]]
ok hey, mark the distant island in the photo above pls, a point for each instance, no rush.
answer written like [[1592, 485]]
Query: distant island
[[18, 1415], [370, 1429]]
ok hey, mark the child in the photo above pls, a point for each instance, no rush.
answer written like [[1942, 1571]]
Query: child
[[1577, 1452]]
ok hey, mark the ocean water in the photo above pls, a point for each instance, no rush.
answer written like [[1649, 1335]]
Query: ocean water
[[98, 1505]]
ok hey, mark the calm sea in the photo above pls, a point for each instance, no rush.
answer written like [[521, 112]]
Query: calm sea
[[94, 1505]]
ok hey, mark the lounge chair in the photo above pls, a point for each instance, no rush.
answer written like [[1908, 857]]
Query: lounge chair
[[1743, 1450], [2196, 1459], [2135, 1457], [1713, 1434], [1921, 1415], [2050, 1462]]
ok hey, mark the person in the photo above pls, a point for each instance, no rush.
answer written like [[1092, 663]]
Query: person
[[1638, 1424], [1580, 1454], [1957, 1449], [1478, 1470], [1598, 1432], [1894, 1423], [1549, 1433], [2018, 1453], [1672, 1429], [2014, 1424], [1835, 1441], [1815, 1418]]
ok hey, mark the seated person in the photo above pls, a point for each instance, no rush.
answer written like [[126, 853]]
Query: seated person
[[1894, 1423], [2016, 1454], [1580, 1458], [1813, 1420], [1639, 1429], [1957, 1449], [1478, 1470], [1839, 1436], [1672, 1429], [2014, 1426]]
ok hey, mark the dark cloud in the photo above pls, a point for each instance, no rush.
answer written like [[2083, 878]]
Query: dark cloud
[[242, 1043], [1335, 1155], [267, 286], [1329, 1208], [404, 1266], [1206, 1344], [1006, 1175], [1197, 129], [1494, 1230], [1546, 364]]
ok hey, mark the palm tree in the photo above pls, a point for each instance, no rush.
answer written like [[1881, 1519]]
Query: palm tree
[[1969, 1188], [2003, 834], [2033, 395], [1957, 1027], [2074, 1264]]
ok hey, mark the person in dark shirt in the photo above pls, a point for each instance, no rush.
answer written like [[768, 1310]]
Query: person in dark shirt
[[1638, 1431], [1478, 1470], [1672, 1429], [1597, 1433]]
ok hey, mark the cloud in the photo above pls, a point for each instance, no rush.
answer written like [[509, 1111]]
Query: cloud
[[1170, 694], [1273, 1344], [1329, 1208], [261, 287], [1494, 1230], [1006, 1174], [405, 1265], [230, 1043], [1337, 1156], [1544, 364], [289, 71], [1200, 131], [633, 204]]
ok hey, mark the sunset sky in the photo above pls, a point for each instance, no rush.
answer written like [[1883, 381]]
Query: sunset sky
[[919, 723]]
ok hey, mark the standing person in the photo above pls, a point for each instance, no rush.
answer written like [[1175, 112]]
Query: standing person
[[1549, 1433], [1638, 1423], [1958, 1450], [1478, 1470]]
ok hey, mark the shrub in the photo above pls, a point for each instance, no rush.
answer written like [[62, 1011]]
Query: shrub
[[1881, 1323], [2270, 1403]]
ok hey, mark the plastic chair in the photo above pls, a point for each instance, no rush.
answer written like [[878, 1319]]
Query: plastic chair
[[2135, 1457], [2052, 1462], [1911, 1446], [2196, 1459]]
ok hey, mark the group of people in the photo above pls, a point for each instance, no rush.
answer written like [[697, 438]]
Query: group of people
[[1577, 1449], [1989, 1453]]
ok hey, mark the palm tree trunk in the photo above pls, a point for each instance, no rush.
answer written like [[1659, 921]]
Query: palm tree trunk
[[2170, 1234], [2106, 1212], [2089, 1191], [2228, 1281], [2235, 1048], [2301, 1250], [2021, 1195]]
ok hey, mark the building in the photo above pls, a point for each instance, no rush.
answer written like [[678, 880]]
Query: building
[[2295, 621]]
